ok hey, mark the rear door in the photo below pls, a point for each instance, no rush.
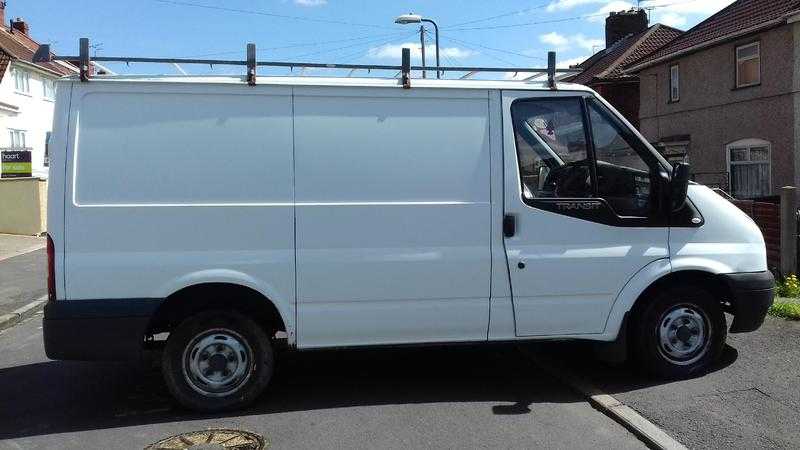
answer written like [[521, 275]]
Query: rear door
[[584, 194]]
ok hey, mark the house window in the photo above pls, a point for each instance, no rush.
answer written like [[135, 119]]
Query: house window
[[49, 87], [750, 171], [674, 83], [22, 81], [17, 139], [748, 65], [47, 138]]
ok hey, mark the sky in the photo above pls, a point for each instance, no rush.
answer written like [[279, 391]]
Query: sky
[[505, 33]]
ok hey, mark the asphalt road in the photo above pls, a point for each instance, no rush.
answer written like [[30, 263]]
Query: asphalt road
[[751, 398], [455, 397], [23, 279]]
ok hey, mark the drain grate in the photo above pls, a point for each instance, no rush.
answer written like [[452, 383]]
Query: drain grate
[[211, 440]]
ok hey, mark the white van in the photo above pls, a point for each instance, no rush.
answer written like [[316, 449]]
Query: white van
[[221, 221]]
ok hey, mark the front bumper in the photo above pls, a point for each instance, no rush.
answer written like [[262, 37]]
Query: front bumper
[[751, 295]]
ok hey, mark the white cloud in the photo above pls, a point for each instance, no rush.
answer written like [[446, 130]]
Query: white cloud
[[703, 7], [700, 7], [588, 43], [566, 5], [389, 51], [567, 63], [558, 41], [554, 39], [311, 2], [601, 14], [672, 20]]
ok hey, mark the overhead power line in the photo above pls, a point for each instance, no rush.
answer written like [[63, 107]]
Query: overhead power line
[[563, 19], [299, 45], [319, 52], [508, 52], [268, 14], [500, 16]]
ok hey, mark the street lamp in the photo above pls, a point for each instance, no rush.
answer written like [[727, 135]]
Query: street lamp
[[406, 19]]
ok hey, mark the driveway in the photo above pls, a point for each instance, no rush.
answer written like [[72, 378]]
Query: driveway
[[455, 397], [751, 399]]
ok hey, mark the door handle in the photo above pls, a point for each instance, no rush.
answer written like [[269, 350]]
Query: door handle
[[509, 225]]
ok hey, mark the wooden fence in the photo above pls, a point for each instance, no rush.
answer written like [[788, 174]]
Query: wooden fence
[[767, 216]]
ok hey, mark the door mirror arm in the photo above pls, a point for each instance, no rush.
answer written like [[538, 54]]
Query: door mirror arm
[[679, 186]]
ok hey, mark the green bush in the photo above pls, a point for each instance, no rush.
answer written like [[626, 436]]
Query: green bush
[[789, 287], [788, 309]]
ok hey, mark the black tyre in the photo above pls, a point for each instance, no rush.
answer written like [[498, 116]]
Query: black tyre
[[217, 361], [678, 332]]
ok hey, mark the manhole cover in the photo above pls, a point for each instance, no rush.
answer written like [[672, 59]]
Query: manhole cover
[[211, 440]]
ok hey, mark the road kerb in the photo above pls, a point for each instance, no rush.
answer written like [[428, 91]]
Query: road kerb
[[23, 251], [647, 431], [20, 314]]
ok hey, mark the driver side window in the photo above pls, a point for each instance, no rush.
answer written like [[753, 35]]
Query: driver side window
[[576, 148], [550, 136]]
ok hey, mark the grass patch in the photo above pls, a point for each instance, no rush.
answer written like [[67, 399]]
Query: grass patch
[[787, 308]]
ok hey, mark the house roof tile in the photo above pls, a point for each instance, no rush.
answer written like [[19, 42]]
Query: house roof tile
[[610, 63], [17, 46], [739, 17]]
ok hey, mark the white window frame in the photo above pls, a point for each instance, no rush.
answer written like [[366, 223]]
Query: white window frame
[[749, 144], [48, 89], [757, 45], [674, 83], [17, 135], [22, 81]]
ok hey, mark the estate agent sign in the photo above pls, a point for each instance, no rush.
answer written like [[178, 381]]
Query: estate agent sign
[[15, 163]]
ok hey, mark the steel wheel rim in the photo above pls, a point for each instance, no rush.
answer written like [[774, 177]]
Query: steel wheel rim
[[217, 363], [684, 334]]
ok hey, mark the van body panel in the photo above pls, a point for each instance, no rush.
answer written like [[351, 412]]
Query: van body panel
[[632, 291], [728, 242], [171, 185], [56, 181], [393, 216], [566, 272], [501, 317]]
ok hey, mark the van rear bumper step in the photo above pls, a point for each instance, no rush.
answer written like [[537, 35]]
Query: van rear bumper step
[[97, 330]]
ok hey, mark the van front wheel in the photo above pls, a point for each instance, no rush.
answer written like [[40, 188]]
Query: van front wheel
[[217, 361], [679, 332]]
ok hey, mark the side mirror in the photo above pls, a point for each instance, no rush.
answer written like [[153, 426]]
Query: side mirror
[[679, 185]]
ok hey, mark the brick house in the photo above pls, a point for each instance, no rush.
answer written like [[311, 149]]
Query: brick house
[[628, 39], [725, 96], [27, 93]]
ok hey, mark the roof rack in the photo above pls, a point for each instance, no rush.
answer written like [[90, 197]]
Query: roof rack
[[84, 61]]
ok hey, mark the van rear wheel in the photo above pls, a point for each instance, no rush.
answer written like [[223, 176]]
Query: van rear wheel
[[217, 361], [679, 333]]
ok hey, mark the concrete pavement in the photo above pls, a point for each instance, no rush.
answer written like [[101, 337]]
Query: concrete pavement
[[456, 397], [749, 400], [13, 245], [23, 279]]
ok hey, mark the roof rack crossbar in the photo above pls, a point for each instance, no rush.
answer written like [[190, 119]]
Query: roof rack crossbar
[[84, 60]]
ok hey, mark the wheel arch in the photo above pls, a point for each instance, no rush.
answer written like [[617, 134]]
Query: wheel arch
[[201, 297], [649, 279]]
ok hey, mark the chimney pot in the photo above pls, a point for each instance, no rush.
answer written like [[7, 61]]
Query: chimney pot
[[623, 23], [20, 25], [2, 12]]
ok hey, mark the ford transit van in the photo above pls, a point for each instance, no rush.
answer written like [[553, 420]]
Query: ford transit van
[[218, 222]]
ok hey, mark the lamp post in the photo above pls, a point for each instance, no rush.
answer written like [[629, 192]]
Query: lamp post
[[406, 19]]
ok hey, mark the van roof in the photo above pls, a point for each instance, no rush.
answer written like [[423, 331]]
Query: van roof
[[337, 81]]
